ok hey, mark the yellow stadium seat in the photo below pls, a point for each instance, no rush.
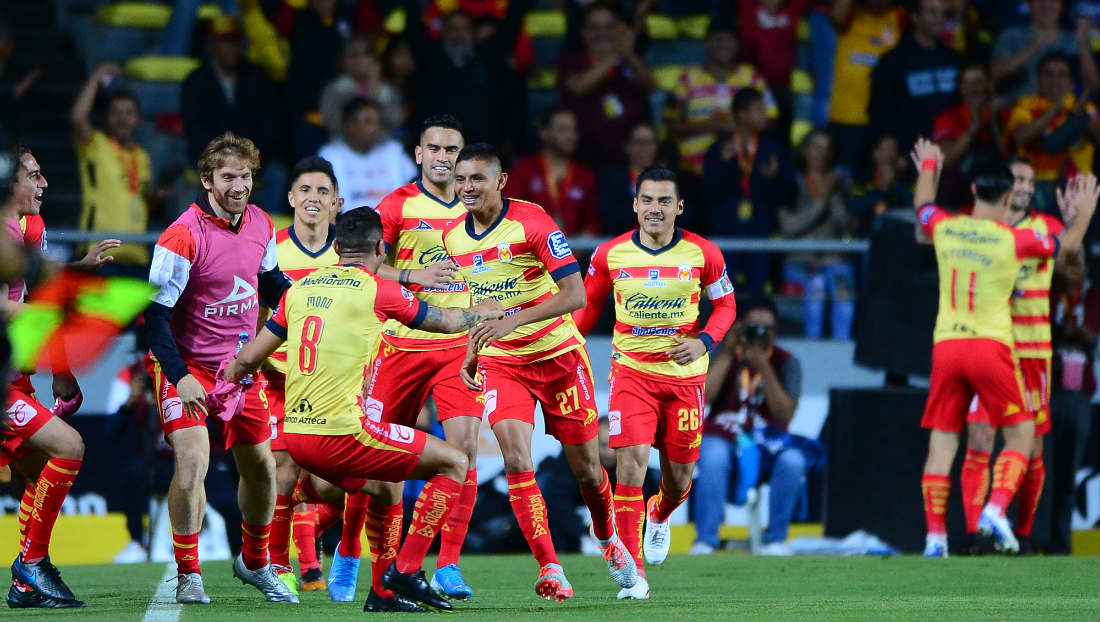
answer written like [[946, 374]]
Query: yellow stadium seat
[[660, 26], [799, 129], [209, 12], [544, 79], [694, 26], [803, 30], [395, 21], [801, 82], [160, 68], [134, 15], [667, 76], [281, 221], [545, 24]]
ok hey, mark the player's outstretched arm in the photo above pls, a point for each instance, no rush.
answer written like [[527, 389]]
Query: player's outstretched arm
[[569, 298], [928, 158], [456, 319], [436, 276], [253, 354]]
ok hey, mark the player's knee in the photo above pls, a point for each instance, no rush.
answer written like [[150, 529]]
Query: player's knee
[[516, 460], [69, 445], [980, 438], [590, 475], [628, 472], [258, 465], [455, 465]]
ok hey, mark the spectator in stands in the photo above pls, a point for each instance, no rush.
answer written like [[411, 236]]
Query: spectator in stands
[[316, 34], [753, 387], [630, 12], [460, 75], [554, 178], [606, 85], [1019, 50], [362, 77], [865, 33], [1075, 322], [746, 178], [367, 162], [819, 211], [228, 93], [915, 81], [699, 109], [398, 66], [885, 186], [115, 171], [618, 180], [175, 39], [769, 40], [1054, 128], [968, 135]]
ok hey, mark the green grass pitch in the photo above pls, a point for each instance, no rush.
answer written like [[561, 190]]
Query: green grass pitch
[[718, 587]]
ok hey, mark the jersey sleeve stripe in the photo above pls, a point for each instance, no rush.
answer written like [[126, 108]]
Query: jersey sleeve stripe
[[421, 313], [564, 271], [275, 328]]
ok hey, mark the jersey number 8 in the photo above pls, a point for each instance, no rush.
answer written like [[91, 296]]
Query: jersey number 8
[[307, 351]]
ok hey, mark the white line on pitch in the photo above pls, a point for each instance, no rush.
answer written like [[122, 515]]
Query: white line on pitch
[[163, 607]]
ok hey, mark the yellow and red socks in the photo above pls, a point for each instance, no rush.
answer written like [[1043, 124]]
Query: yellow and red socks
[[667, 502], [254, 541], [25, 512], [530, 510], [50, 490], [383, 538], [305, 538], [304, 492], [280, 530], [935, 489], [355, 515], [1031, 488], [974, 485], [186, 549], [629, 518], [327, 515], [1007, 473], [601, 506], [458, 522], [429, 515]]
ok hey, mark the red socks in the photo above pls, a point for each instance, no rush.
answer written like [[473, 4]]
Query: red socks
[[601, 506], [1031, 488], [25, 512], [280, 530], [629, 516], [1007, 473], [936, 489], [305, 538], [327, 515], [383, 537], [254, 540], [186, 548], [429, 515], [974, 484], [49, 493], [355, 515], [530, 510], [458, 522], [666, 503]]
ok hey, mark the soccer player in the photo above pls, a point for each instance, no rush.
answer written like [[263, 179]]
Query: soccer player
[[213, 266], [658, 273], [330, 320], [512, 251], [978, 259], [411, 364]]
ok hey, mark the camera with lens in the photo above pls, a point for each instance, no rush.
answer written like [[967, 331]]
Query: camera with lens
[[755, 334]]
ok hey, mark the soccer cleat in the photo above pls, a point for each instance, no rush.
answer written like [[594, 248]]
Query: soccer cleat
[[701, 548], [286, 575], [396, 604], [312, 581], [43, 577], [639, 591], [265, 580], [413, 586], [992, 523], [935, 545], [620, 564], [658, 536], [552, 584], [342, 577], [447, 581], [134, 553], [190, 590], [23, 596], [776, 549]]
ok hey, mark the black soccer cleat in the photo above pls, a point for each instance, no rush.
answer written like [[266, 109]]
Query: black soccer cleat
[[42, 577], [397, 604], [23, 596], [414, 587]]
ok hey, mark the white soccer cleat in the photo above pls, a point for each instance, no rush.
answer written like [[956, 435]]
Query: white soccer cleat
[[190, 590], [134, 553], [701, 548], [620, 564], [993, 523], [658, 536], [935, 545], [776, 549], [639, 591]]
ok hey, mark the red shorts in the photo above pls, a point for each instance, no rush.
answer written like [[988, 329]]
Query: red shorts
[[400, 381], [274, 386], [962, 368], [662, 413], [1036, 375], [26, 415], [381, 451], [251, 427], [562, 385]]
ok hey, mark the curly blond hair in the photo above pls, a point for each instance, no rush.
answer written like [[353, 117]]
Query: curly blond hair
[[226, 146]]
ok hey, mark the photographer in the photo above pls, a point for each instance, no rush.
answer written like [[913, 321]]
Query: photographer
[[752, 389]]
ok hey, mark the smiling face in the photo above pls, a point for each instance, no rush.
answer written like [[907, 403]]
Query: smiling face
[[657, 206], [29, 187], [478, 184], [312, 197], [229, 186], [1023, 186], [436, 154]]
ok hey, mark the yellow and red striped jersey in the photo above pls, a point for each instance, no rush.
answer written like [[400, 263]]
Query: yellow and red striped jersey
[[657, 295], [517, 261], [297, 261], [978, 261], [1031, 300], [413, 221]]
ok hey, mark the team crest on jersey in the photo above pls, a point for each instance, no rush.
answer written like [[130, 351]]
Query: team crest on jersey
[[406, 294], [654, 279], [684, 273], [504, 252], [623, 274], [558, 246], [479, 265], [423, 226], [20, 413]]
